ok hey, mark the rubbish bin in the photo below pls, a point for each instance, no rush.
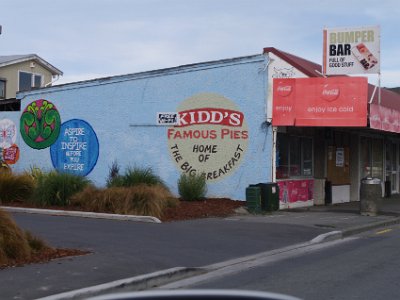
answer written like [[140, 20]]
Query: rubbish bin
[[269, 195], [253, 199], [370, 196]]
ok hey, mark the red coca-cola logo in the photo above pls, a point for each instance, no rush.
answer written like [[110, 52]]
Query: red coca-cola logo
[[330, 92], [284, 90]]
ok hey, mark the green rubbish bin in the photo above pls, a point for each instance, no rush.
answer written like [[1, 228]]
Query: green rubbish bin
[[253, 199], [269, 196]]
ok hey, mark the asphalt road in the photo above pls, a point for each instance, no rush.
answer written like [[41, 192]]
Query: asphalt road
[[365, 267], [124, 249]]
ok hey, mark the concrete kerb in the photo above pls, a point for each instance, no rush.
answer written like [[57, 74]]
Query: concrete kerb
[[136, 283], [81, 214], [362, 228]]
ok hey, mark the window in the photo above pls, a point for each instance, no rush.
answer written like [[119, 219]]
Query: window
[[29, 80], [371, 157], [2, 89], [294, 156]]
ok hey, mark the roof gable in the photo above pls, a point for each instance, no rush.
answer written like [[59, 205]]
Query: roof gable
[[6, 60]]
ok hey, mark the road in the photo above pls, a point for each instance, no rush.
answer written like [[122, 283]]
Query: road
[[124, 249], [365, 267]]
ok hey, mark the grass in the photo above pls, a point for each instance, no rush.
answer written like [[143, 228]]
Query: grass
[[132, 177], [140, 199], [14, 187], [192, 187], [55, 188], [16, 245]]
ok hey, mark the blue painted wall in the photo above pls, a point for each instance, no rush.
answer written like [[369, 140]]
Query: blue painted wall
[[122, 112]]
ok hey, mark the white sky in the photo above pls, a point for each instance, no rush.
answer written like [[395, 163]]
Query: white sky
[[96, 38]]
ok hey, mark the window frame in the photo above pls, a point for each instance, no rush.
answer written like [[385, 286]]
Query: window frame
[[4, 81], [290, 142], [33, 79]]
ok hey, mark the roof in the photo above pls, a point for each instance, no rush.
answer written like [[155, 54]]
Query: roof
[[389, 98], [6, 60]]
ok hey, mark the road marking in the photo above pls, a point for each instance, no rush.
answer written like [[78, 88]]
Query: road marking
[[383, 231]]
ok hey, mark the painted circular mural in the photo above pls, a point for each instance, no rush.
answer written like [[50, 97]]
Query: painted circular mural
[[40, 124], [77, 148], [211, 138]]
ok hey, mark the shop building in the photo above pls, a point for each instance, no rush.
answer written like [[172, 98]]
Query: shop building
[[214, 118]]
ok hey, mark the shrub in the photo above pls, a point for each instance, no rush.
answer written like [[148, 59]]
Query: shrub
[[13, 243], [148, 200], [114, 178], [141, 199], [55, 188], [136, 176], [35, 244], [192, 187], [14, 187]]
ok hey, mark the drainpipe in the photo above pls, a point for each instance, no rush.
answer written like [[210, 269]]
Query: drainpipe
[[51, 82]]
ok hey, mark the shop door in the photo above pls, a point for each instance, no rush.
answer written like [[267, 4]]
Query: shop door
[[338, 173]]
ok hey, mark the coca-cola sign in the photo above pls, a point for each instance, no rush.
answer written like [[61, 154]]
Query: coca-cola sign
[[330, 92], [334, 101], [284, 89]]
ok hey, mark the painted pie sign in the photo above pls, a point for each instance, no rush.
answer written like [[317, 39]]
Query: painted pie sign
[[211, 136]]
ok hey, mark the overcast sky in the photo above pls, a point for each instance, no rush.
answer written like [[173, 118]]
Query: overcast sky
[[96, 38]]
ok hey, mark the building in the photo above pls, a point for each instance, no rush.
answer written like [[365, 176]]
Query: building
[[23, 73], [215, 118]]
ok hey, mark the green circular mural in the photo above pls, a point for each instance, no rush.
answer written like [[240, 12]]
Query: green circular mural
[[40, 124]]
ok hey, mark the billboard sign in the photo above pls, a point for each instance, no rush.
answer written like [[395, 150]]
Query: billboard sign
[[351, 50], [331, 102]]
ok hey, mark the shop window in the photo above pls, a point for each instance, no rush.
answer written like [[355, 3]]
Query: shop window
[[2, 89], [294, 156], [29, 80], [371, 157]]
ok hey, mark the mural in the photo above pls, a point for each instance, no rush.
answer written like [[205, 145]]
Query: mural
[[40, 124], [211, 137], [77, 148], [8, 133], [11, 154], [9, 151]]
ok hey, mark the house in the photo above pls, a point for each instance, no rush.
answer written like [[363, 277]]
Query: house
[[23, 73], [230, 119]]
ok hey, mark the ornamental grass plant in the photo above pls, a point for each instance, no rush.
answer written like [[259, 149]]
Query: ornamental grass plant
[[15, 187], [140, 199], [54, 188], [132, 177], [15, 244], [192, 187]]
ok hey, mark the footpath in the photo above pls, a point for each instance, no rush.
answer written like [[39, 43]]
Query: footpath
[[146, 253]]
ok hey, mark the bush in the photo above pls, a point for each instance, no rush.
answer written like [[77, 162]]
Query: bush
[[55, 188], [13, 243], [15, 187], [114, 178], [192, 187], [134, 176], [36, 244], [141, 199]]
